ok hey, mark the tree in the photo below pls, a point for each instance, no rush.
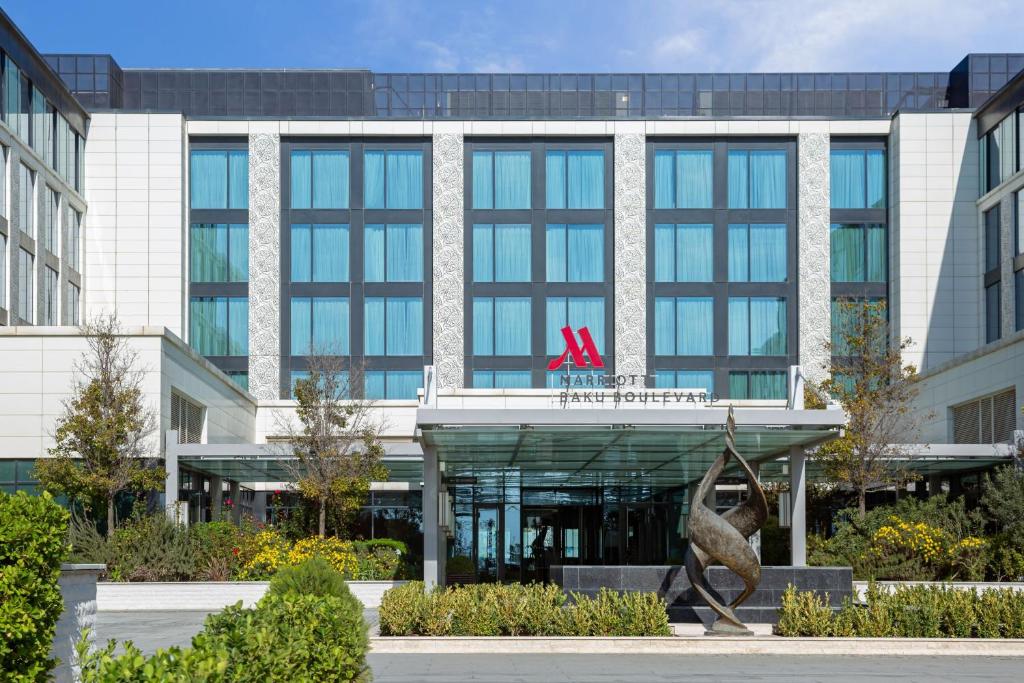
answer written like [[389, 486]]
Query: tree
[[103, 436], [866, 374], [336, 441]]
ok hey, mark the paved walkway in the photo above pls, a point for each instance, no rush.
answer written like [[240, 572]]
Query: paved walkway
[[644, 668]]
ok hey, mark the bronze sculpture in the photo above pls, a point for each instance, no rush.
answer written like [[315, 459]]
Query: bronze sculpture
[[724, 538]]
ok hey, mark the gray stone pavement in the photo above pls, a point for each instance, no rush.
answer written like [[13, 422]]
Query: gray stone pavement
[[152, 630], [644, 668]]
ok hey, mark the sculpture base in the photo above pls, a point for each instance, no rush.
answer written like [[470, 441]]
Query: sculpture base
[[726, 628]]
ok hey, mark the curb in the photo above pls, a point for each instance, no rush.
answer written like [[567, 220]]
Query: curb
[[757, 645]]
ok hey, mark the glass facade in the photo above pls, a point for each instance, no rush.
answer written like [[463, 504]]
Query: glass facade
[[26, 287], [219, 178], [219, 252], [26, 200], [857, 178], [219, 326], [993, 273], [721, 255], [538, 256], [51, 295], [356, 240]]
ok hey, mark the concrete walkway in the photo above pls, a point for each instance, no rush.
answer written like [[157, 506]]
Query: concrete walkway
[[643, 668]]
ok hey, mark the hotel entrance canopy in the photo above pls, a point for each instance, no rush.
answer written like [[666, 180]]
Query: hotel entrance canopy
[[610, 447]]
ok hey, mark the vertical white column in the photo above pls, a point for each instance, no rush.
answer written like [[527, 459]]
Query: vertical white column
[[798, 506], [264, 265], [813, 253], [171, 483], [449, 241], [630, 249], [433, 556]]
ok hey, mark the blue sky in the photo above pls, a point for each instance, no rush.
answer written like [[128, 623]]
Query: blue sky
[[530, 35]]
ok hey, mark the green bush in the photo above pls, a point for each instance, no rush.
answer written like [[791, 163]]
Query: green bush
[[33, 543], [518, 610], [907, 612], [284, 638], [460, 564], [315, 576], [213, 547]]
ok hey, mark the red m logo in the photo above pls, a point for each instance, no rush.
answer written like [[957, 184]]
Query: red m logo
[[578, 354]]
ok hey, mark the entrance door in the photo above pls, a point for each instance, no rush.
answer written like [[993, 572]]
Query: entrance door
[[541, 542], [487, 549], [645, 534]]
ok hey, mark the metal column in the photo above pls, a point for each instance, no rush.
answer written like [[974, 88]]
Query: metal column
[[434, 542]]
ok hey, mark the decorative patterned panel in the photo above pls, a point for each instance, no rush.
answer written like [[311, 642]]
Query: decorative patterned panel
[[264, 265], [630, 255], [814, 291], [449, 355]]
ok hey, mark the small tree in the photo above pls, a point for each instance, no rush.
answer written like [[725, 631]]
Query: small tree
[[866, 374], [336, 441], [102, 438]]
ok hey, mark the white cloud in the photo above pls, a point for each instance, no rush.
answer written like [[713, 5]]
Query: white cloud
[[440, 57], [678, 45]]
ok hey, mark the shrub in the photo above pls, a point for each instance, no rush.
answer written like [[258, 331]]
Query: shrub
[[214, 545], [261, 553], [314, 576], [340, 554], [33, 533], [283, 639], [460, 564], [518, 610], [804, 613], [152, 548], [907, 612]]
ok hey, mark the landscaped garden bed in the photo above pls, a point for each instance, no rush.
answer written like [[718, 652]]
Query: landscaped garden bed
[[907, 612], [518, 610]]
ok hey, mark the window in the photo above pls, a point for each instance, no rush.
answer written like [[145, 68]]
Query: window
[[501, 379], [993, 315], [684, 326], [1018, 291], [757, 253], [684, 253], [763, 385], [40, 130], [999, 154], [393, 384], [342, 385], [49, 222], [858, 179], [219, 325], [186, 419], [991, 419], [239, 377], [576, 312], [51, 290], [575, 179], [12, 99], [219, 252], [3, 270], [501, 253], [992, 238], [501, 180], [393, 326], [757, 326], [71, 315], [26, 200], [393, 253], [320, 179], [73, 247], [1018, 218], [859, 252], [26, 286], [320, 253], [847, 316], [685, 379], [3, 181], [320, 325], [575, 253], [501, 326], [18, 475], [393, 179], [683, 179], [757, 179], [219, 179]]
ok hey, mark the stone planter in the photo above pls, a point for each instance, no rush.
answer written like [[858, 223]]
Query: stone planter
[[860, 588], [207, 596], [78, 588]]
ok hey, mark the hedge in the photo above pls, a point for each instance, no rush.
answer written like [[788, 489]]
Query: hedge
[[907, 612], [33, 543], [315, 635], [518, 610]]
